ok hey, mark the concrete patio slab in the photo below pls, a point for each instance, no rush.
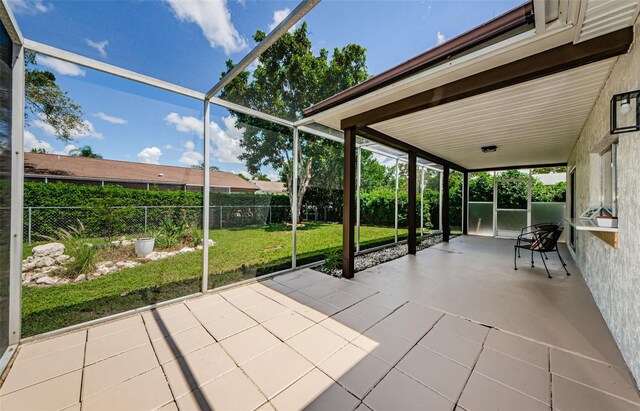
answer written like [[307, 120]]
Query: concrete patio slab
[[495, 341]]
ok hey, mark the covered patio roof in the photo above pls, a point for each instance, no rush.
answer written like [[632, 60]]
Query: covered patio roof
[[525, 87]]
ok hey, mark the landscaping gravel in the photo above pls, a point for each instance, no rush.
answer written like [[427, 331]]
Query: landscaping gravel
[[373, 258]]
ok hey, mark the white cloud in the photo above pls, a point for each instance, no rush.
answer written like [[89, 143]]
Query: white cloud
[[31, 142], [89, 129], [214, 19], [44, 126], [440, 37], [110, 119], [189, 145], [185, 124], [190, 157], [61, 67], [100, 46], [66, 150], [30, 6], [225, 140], [278, 16], [150, 155]]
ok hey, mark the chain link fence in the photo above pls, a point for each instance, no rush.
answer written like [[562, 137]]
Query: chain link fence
[[42, 223]]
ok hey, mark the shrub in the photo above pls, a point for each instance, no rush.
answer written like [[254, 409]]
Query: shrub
[[82, 256], [333, 260], [172, 231]]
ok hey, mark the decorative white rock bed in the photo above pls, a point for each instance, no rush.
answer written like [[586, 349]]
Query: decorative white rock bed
[[373, 258], [46, 260]]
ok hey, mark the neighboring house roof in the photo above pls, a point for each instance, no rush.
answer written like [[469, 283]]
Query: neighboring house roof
[[270, 187], [551, 178], [59, 166]]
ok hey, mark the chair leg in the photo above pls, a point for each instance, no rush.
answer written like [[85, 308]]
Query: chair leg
[[516, 250], [564, 265], [532, 266], [560, 257], [545, 265]]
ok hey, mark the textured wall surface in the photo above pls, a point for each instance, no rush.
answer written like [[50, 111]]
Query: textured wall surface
[[613, 276]]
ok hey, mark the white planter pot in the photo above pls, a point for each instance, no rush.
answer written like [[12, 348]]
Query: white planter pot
[[144, 246]]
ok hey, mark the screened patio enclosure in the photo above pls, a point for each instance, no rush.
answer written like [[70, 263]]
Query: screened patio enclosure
[[288, 237], [399, 154]]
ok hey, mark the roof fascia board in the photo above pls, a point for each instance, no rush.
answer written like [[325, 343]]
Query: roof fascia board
[[120, 180], [549, 62], [464, 62], [508, 21]]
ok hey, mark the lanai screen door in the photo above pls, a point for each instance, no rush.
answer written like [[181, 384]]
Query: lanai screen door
[[512, 205]]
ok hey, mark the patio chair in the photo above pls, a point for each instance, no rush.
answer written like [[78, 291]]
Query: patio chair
[[526, 234], [543, 239]]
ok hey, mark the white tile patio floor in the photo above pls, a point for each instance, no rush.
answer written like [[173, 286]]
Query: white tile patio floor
[[307, 340]]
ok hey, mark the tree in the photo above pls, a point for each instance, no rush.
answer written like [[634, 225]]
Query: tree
[[45, 100], [373, 174], [481, 186], [39, 150], [260, 177], [84, 151], [289, 78], [548, 170], [201, 167]]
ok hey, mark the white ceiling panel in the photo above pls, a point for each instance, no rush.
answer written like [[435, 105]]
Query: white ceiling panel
[[537, 122]]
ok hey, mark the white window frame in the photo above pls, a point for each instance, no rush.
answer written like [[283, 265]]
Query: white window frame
[[613, 207]]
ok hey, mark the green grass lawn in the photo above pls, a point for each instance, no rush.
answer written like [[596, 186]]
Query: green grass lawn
[[238, 254]]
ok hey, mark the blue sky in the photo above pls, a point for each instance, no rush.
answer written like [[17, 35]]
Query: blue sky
[[187, 42]]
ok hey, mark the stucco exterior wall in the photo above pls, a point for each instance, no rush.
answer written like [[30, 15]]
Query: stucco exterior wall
[[613, 275]]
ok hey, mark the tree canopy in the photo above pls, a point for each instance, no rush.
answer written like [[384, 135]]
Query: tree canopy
[[47, 101], [84, 151], [287, 79]]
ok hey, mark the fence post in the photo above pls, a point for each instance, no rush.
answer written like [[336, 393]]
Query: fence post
[[29, 225], [269, 213], [221, 217], [145, 220]]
